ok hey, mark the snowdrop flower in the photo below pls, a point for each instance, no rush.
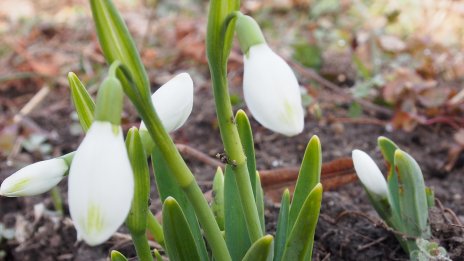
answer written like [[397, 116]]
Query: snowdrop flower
[[369, 173], [101, 184], [34, 179], [173, 102], [270, 87]]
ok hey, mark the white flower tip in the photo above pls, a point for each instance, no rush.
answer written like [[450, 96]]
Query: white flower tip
[[34, 179], [173, 102], [369, 173], [272, 92]]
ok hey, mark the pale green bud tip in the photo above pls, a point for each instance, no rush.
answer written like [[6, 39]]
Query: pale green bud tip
[[369, 173], [109, 101], [34, 179], [248, 32]]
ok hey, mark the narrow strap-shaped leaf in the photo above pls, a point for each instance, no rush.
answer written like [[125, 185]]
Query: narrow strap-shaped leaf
[[217, 204], [117, 256], [180, 243], [155, 228], [237, 238], [260, 201], [168, 187], [83, 102], [282, 226], [430, 197], [117, 43], [308, 177], [246, 137], [412, 197], [158, 255], [300, 241], [388, 148], [261, 250]]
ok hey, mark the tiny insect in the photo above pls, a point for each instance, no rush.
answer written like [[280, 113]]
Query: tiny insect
[[224, 159]]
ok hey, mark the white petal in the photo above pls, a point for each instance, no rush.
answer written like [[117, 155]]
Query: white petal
[[272, 92], [173, 102], [369, 173], [34, 179], [101, 183]]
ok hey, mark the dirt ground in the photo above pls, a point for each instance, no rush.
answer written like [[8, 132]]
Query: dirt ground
[[348, 229]]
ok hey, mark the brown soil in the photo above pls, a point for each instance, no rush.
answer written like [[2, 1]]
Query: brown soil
[[349, 228]]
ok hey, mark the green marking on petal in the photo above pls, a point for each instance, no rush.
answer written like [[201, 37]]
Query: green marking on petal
[[94, 220], [289, 111], [115, 129], [20, 185]]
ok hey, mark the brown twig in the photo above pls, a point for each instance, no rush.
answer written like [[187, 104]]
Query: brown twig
[[370, 244]]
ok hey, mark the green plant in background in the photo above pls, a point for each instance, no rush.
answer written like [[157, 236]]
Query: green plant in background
[[403, 201], [109, 181]]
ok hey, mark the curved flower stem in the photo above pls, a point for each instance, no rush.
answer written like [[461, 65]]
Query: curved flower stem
[[219, 26], [179, 168]]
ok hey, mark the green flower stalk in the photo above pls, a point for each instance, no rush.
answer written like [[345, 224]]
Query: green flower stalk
[[117, 44], [101, 184]]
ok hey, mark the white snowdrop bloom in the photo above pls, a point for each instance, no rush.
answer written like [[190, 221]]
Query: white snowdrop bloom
[[34, 179], [101, 184], [369, 173], [173, 102], [272, 92]]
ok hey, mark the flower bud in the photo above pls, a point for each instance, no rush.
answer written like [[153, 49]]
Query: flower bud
[[369, 174], [34, 179], [272, 92], [101, 183], [173, 102]]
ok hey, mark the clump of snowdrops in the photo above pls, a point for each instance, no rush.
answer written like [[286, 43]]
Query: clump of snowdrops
[[402, 201], [109, 180]]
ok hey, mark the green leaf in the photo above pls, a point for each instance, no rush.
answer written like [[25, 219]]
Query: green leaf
[[260, 201], [246, 137], [168, 187], [155, 228], [309, 55], [83, 102], [117, 256], [117, 43], [237, 239], [180, 242], [282, 226], [355, 110], [388, 148], [430, 197], [300, 241], [136, 221], [217, 204], [412, 196], [261, 250], [158, 255], [309, 176]]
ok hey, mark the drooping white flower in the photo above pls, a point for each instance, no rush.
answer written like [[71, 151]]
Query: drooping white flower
[[101, 184], [173, 102], [369, 173], [34, 179], [272, 92]]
